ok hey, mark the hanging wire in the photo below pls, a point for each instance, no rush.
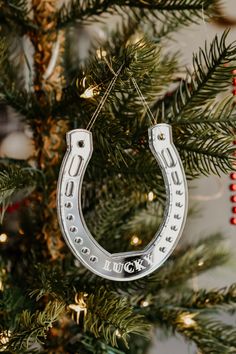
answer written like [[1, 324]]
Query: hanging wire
[[106, 94], [104, 98], [150, 114]]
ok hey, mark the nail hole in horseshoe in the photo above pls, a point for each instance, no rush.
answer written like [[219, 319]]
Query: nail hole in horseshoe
[[81, 143], [161, 136]]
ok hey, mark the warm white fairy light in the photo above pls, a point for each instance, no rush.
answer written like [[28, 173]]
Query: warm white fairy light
[[3, 237], [117, 333], [4, 339], [90, 92], [135, 240], [21, 232], [134, 39], [144, 303], [150, 196], [79, 307], [187, 320], [200, 263], [101, 53]]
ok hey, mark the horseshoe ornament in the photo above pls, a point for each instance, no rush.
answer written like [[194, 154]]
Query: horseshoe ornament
[[126, 265]]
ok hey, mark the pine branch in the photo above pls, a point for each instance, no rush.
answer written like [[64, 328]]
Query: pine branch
[[15, 13], [206, 151], [224, 298], [119, 217], [220, 114], [212, 337], [111, 317], [212, 75], [14, 181], [94, 345], [32, 328], [76, 11], [10, 93], [191, 260]]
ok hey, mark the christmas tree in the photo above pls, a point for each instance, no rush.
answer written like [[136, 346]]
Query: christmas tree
[[50, 303]]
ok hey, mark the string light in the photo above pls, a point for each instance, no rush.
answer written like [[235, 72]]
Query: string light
[[150, 196], [117, 333], [144, 303], [101, 53], [187, 320], [3, 238], [90, 92], [200, 263], [4, 339], [79, 307], [135, 240], [134, 39]]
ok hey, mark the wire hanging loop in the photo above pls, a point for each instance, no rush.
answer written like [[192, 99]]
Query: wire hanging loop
[[104, 98], [106, 94], [149, 112]]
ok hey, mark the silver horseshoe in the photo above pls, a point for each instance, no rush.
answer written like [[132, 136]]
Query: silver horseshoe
[[126, 265]]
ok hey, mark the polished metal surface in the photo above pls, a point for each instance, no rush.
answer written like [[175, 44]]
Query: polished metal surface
[[126, 265]]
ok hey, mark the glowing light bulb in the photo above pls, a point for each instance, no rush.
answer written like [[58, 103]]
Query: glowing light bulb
[[144, 303], [187, 319], [150, 196], [117, 333], [135, 240], [101, 53], [4, 338], [90, 92], [79, 307], [200, 263], [3, 238]]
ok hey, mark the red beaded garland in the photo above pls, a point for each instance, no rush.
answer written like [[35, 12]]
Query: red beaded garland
[[232, 187], [233, 199], [233, 221]]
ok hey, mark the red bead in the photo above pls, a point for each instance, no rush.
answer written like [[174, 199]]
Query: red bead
[[233, 221], [234, 72], [233, 175], [233, 199], [232, 187], [234, 92], [234, 81], [234, 210]]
